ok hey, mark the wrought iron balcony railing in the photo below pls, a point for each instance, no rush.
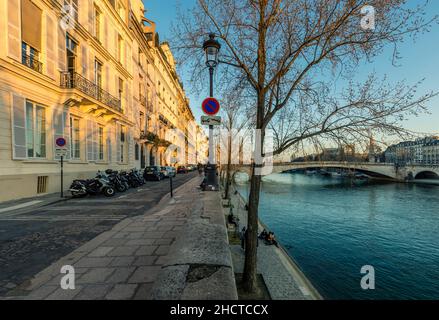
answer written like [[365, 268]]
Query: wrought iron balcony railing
[[32, 62], [74, 80]]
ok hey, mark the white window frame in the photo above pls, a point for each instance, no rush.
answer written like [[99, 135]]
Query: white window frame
[[74, 144], [35, 106]]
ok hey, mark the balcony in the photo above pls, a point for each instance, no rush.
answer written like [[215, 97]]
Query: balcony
[[76, 81], [32, 62]]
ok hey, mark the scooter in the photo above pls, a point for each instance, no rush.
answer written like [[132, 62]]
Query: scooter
[[100, 184]]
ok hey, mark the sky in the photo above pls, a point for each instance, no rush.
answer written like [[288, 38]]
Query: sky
[[420, 60]]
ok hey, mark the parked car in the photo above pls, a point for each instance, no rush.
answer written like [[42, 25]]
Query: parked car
[[182, 169], [153, 173], [172, 172], [191, 167], [165, 172]]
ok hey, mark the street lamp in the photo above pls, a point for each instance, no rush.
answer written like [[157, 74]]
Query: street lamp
[[211, 48]]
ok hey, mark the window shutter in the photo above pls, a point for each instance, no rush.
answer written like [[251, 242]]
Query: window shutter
[[61, 127], [105, 35], [91, 66], [50, 47], [84, 60], [14, 29], [91, 13], [89, 141], [31, 24], [66, 120], [19, 127], [61, 48], [109, 145], [107, 78], [130, 145], [95, 141], [118, 153], [127, 99]]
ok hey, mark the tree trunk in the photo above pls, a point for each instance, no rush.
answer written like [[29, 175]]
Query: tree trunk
[[229, 162], [250, 265]]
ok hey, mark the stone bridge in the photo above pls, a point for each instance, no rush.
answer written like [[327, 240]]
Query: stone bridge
[[387, 171]]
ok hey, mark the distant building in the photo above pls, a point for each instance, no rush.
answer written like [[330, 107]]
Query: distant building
[[423, 151]]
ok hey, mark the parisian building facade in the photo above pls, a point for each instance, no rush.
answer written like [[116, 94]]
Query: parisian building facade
[[95, 73], [423, 151]]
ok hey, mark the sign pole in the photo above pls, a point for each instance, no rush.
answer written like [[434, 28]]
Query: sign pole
[[62, 176], [172, 190]]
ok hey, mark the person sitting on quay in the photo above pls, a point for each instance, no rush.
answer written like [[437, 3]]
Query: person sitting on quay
[[271, 240], [263, 235], [233, 220]]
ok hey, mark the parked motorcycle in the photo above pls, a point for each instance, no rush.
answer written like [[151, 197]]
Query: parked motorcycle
[[100, 184]]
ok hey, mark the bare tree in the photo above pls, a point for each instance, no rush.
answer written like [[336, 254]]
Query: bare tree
[[280, 48], [237, 119]]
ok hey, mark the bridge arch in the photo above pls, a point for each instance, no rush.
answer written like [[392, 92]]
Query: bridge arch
[[427, 175]]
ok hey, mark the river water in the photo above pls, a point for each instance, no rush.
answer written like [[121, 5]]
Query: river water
[[332, 228]]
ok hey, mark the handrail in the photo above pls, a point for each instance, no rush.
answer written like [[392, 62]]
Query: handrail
[[73, 80]]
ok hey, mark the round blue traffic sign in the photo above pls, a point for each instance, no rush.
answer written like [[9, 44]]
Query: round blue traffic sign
[[61, 142], [210, 106]]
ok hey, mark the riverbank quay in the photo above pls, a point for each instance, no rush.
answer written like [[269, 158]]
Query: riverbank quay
[[125, 262], [282, 276]]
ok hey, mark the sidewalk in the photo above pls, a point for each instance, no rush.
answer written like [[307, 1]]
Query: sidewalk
[[13, 207], [283, 278], [125, 262]]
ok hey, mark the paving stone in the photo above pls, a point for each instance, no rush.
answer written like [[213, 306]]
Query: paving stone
[[42, 292], [134, 229], [162, 250], [135, 235], [114, 242], [94, 292], [61, 294], [145, 250], [89, 262], [145, 261], [145, 274], [121, 235], [162, 260], [140, 242], [100, 252], [171, 234], [95, 275], [167, 241], [122, 292], [123, 251], [121, 275], [154, 235], [143, 292], [164, 228], [122, 262]]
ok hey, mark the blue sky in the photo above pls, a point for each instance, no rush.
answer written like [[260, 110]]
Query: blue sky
[[420, 59]]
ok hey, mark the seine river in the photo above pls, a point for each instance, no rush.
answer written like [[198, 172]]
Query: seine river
[[332, 228]]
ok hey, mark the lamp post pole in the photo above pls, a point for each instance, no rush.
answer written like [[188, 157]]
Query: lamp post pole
[[211, 142], [211, 48]]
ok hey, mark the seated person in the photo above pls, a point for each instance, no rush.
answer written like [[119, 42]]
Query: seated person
[[271, 240], [233, 220], [263, 235]]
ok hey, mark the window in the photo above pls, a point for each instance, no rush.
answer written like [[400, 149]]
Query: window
[[35, 130], [97, 25], [101, 144], [98, 73], [30, 56], [122, 143], [142, 121], [75, 143], [120, 93], [71, 47], [137, 156], [73, 8]]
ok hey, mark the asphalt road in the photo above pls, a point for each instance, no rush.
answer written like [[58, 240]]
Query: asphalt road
[[32, 240]]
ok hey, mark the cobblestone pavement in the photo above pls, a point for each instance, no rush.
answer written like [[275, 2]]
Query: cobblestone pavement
[[31, 240], [121, 263]]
